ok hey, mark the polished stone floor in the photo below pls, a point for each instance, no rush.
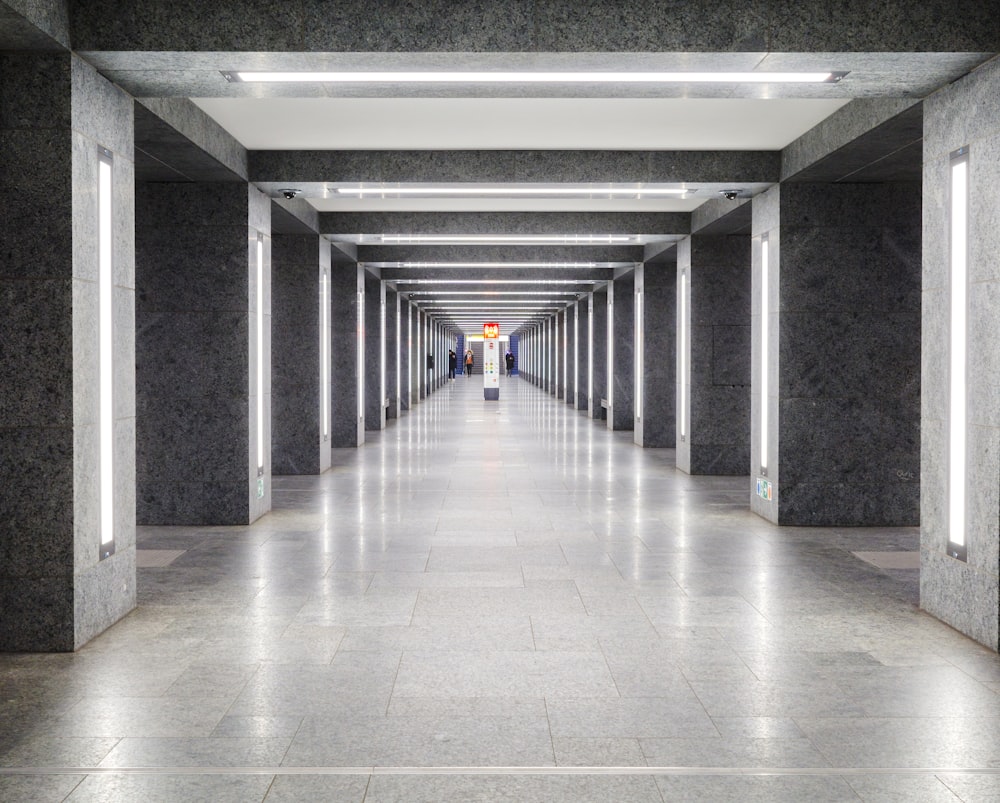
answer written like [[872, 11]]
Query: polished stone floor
[[504, 601]]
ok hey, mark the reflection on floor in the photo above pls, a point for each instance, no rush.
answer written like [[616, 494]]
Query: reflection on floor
[[506, 601]]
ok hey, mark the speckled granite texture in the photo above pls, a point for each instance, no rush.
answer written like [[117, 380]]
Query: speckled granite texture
[[717, 436], [659, 373], [622, 413], [599, 370], [346, 286], [56, 113], [297, 440], [963, 594], [196, 268]]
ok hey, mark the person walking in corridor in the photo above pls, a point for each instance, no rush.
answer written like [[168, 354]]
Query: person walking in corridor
[[469, 360], [452, 363], [509, 359]]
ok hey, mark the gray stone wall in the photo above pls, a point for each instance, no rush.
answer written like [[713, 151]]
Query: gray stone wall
[[346, 291], [374, 390], [717, 432], [964, 594], [845, 353], [55, 591], [571, 355], [622, 414], [297, 440], [659, 375], [599, 369], [392, 352], [196, 247]]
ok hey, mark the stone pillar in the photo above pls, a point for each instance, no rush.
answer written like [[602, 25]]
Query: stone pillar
[[374, 370], [654, 420], [621, 299], [963, 593], [197, 252], [599, 352], [392, 375], [714, 397], [557, 344], [583, 347], [347, 303], [59, 587], [553, 355], [571, 356], [844, 349], [300, 273]]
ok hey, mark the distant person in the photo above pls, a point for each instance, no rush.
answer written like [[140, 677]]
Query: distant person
[[470, 359], [452, 363], [509, 359]]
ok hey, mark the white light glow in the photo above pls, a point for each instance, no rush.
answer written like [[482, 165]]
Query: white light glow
[[639, 354], [511, 190], [548, 77], [260, 354], [959, 304], [764, 315], [684, 354], [485, 239], [106, 353], [324, 353]]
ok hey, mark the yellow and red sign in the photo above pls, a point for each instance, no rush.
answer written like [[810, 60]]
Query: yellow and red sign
[[491, 331]]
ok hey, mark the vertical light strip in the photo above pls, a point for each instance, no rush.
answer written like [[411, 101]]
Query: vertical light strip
[[260, 354], [324, 353], [610, 382], [381, 368], [765, 312], [360, 354], [106, 420], [958, 408], [639, 353], [684, 354]]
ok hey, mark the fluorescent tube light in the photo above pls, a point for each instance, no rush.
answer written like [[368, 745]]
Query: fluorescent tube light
[[106, 421], [957, 412], [260, 354], [764, 315], [547, 77], [513, 190], [683, 354]]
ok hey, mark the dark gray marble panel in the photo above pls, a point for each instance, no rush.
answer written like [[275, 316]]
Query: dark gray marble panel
[[623, 411], [35, 91], [295, 348], [570, 394], [38, 615], [36, 355], [344, 363], [392, 349], [731, 355], [660, 352], [583, 388], [374, 397], [34, 25]]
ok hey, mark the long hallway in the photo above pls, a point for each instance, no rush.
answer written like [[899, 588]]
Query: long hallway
[[507, 601]]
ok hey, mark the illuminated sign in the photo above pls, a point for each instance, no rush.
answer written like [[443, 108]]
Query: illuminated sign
[[491, 330]]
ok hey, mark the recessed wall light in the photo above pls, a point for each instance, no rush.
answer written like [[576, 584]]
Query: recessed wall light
[[547, 77]]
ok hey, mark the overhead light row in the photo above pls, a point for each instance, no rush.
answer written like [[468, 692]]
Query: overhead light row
[[512, 239], [545, 77]]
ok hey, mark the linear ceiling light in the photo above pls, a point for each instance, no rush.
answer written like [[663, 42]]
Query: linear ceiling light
[[463, 265], [530, 239], [549, 77], [512, 191]]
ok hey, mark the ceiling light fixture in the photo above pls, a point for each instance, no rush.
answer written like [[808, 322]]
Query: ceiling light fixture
[[510, 191], [526, 239], [547, 77]]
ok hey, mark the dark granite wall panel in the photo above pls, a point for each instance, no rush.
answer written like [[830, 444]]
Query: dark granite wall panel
[[717, 439], [849, 354], [599, 370], [559, 345], [195, 278], [374, 391], [295, 353], [623, 332], [964, 594], [660, 356], [55, 112], [346, 289], [392, 349], [571, 356], [583, 388]]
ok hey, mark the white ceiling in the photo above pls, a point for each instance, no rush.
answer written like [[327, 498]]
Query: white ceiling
[[407, 123]]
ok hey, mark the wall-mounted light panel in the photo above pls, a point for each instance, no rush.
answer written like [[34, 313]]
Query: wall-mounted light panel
[[260, 354], [683, 366], [106, 405], [958, 228], [543, 77], [765, 314], [639, 353], [324, 352]]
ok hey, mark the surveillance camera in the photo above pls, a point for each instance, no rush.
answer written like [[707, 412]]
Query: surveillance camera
[[731, 195], [289, 194]]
